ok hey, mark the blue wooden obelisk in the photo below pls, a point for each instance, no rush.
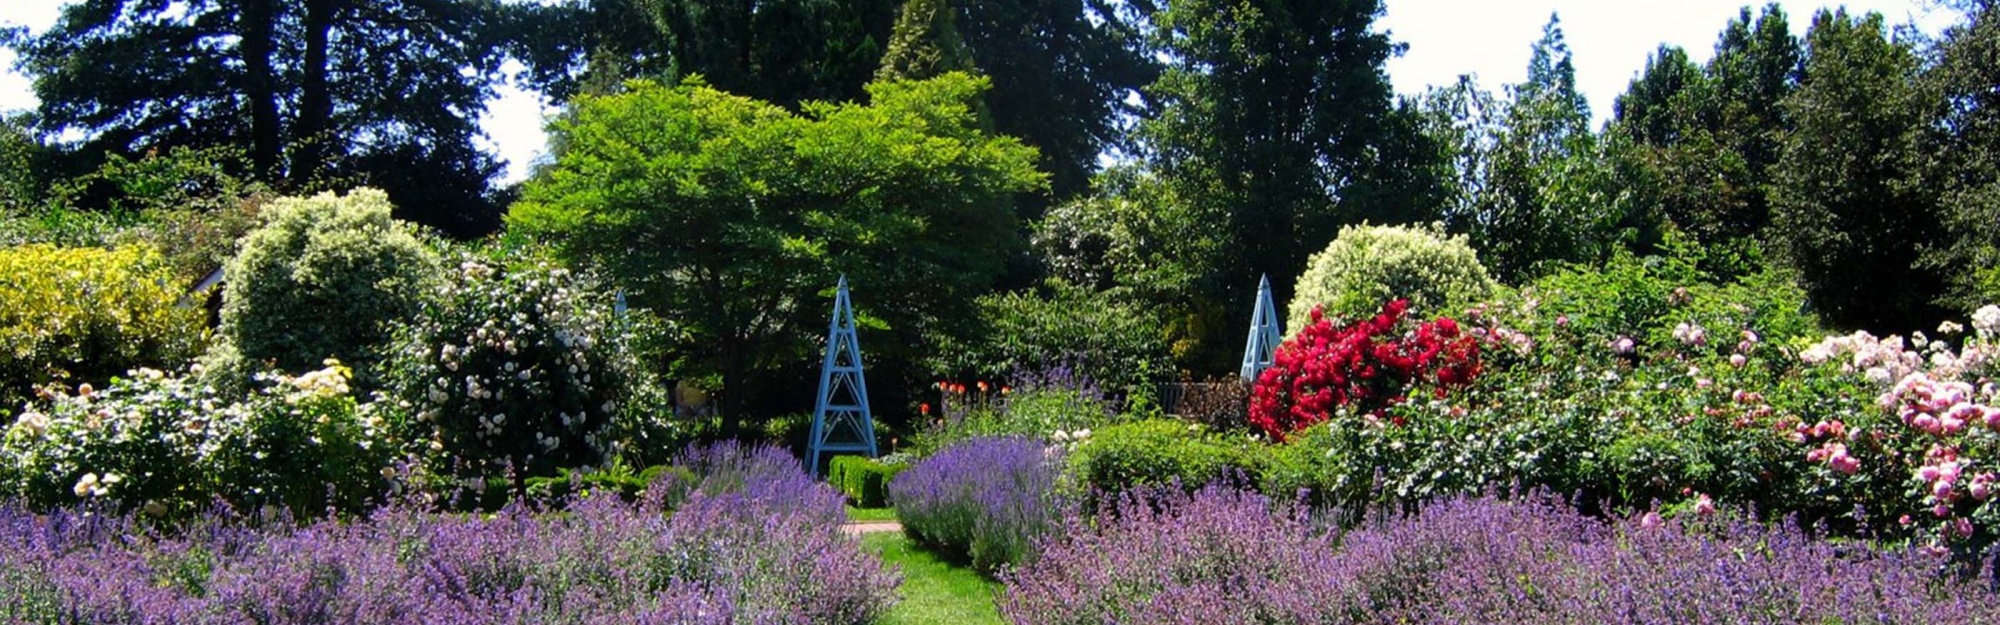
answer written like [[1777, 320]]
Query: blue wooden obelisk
[[841, 421], [1264, 335]]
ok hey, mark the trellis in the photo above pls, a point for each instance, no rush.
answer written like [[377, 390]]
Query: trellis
[[836, 414]]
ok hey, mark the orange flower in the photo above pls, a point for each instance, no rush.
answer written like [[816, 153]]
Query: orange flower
[[924, 408]]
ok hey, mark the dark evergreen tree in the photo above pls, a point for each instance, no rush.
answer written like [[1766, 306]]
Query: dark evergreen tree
[[1851, 213], [925, 44], [314, 91]]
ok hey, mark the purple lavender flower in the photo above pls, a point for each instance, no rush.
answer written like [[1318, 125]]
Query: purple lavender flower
[[1221, 555], [984, 500], [753, 544]]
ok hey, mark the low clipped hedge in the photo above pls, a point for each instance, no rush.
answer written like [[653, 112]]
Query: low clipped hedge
[[863, 480], [1159, 452]]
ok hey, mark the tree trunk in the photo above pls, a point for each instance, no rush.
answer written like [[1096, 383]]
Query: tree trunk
[[315, 101], [255, 24]]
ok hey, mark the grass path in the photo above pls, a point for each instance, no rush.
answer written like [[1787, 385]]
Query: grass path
[[933, 591]]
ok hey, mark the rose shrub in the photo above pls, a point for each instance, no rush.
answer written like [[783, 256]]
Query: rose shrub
[[167, 444], [1361, 368], [1367, 265]]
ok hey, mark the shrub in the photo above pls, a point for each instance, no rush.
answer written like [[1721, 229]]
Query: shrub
[[1093, 333], [983, 501], [716, 559], [324, 277], [1159, 452], [864, 481], [83, 315], [1368, 265], [520, 369], [1225, 556], [1362, 367], [1051, 404], [168, 444]]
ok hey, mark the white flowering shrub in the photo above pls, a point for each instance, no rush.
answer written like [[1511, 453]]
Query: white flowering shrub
[[1366, 266], [520, 369], [328, 276], [168, 444]]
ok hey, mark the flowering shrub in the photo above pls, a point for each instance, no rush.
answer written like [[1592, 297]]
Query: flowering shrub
[[1055, 404], [984, 500], [1225, 556], [325, 277], [1929, 448], [1362, 367], [83, 315], [166, 444], [517, 370], [1368, 265], [716, 559]]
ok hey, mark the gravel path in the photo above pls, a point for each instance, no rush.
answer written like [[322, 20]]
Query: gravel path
[[871, 527]]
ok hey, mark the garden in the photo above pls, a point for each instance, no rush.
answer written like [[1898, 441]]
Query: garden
[[1733, 358]]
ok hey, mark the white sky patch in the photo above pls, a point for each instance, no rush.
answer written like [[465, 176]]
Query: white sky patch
[[1610, 41]]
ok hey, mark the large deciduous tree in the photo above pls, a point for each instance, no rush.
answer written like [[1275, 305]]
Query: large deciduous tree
[[1699, 141], [1850, 211], [737, 215], [314, 90]]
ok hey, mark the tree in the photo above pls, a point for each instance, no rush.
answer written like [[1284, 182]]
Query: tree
[[1265, 122], [925, 44], [1702, 139], [1532, 182], [1964, 140], [1062, 71], [1850, 211], [736, 215], [787, 52], [313, 91]]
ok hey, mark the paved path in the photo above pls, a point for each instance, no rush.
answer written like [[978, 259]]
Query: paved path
[[870, 527]]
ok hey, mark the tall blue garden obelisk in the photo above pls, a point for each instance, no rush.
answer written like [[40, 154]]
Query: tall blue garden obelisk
[[841, 421], [1264, 334]]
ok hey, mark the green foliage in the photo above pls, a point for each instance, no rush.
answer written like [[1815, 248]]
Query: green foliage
[[864, 481], [1273, 126], [1850, 215], [310, 91], [1368, 265], [738, 216], [1696, 144], [1108, 340], [1965, 142], [925, 43], [169, 445], [328, 276], [1053, 405], [518, 367], [617, 478], [83, 315], [1159, 452]]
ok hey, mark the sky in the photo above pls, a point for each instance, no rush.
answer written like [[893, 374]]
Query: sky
[[1609, 40]]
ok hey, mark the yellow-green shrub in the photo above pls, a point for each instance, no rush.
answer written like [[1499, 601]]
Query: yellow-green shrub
[[1368, 265], [80, 315]]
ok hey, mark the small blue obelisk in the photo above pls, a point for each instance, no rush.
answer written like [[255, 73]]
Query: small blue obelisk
[[1264, 335], [841, 422]]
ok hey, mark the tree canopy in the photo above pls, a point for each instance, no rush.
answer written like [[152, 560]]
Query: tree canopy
[[737, 215], [385, 93]]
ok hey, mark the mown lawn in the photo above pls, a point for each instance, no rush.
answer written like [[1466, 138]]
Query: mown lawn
[[934, 591], [870, 514]]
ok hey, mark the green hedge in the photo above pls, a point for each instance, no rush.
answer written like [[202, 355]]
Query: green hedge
[[1162, 451], [865, 481]]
